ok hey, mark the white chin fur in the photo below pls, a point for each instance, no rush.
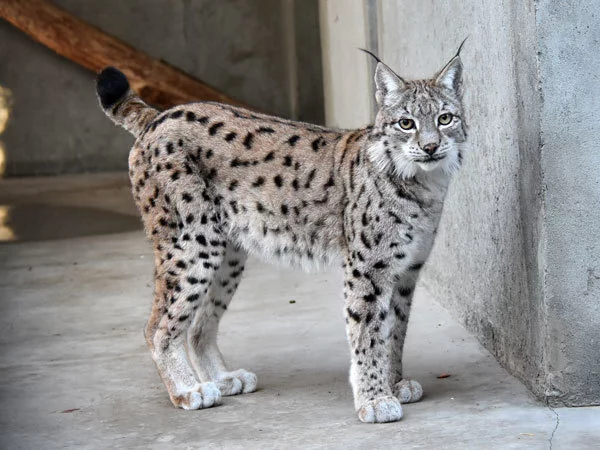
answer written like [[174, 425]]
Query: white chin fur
[[429, 166]]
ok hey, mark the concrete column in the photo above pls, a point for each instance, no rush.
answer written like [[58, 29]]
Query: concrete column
[[347, 82]]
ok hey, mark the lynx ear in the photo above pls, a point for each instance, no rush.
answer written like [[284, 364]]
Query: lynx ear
[[387, 82], [450, 77]]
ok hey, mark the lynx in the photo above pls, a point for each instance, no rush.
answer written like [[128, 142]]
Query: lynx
[[214, 183]]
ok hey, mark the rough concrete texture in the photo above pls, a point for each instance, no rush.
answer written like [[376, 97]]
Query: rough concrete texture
[[241, 47], [75, 371], [569, 67], [516, 258]]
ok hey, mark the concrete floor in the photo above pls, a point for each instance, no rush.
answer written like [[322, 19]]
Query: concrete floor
[[74, 370]]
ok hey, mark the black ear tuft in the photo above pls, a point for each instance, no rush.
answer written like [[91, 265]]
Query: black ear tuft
[[373, 55], [111, 85]]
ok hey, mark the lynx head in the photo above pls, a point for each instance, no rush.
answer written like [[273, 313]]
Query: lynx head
[[420, 124]]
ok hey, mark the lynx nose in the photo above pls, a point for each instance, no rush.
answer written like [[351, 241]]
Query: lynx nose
[[430, 149]]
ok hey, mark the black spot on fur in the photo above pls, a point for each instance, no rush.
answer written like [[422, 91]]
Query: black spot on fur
[[190, 116], [364, 240], [310, 178], [278, 180], [405, 291], [248, 141], [193, 297], [287, 161], [258, 182], [270, 156], [230, 136], [318, 143], [233, 185], [235, 162], [353, 315], [265, 130], [330, 182], [214, 128], [293, 139], [370, 298]]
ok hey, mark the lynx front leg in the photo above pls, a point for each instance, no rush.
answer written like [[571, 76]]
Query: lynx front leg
[[368, 327], [406, 390]]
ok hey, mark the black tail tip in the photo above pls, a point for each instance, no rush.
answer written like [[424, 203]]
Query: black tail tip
[[111, 85]]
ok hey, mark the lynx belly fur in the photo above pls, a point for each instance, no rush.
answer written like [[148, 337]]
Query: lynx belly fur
[[214, 183]]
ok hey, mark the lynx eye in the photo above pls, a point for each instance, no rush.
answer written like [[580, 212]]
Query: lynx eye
[[406, 124], [445, 119]]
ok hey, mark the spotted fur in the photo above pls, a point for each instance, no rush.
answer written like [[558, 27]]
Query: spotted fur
[[214, 183]]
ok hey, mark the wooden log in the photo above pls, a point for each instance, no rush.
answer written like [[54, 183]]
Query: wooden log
[[156, 82]]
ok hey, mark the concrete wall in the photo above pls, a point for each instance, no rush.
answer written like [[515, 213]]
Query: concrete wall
[[264, 52], [516, 258], [569, 64]]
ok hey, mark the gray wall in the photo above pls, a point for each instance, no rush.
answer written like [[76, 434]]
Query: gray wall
[[569, 65], [263, 52], [516, 259]]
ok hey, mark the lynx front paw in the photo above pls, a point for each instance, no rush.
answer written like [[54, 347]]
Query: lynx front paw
[[408, 391], [237, 382], [382, 409], [202, 396]]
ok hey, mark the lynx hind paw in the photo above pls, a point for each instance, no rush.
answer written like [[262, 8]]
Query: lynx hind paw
[[237, 382], [204, 395], [408, 391], [380, 410]]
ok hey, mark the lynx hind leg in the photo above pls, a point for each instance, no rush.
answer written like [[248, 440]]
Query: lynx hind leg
[[204, 353], [184, 272], [405, 390]]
